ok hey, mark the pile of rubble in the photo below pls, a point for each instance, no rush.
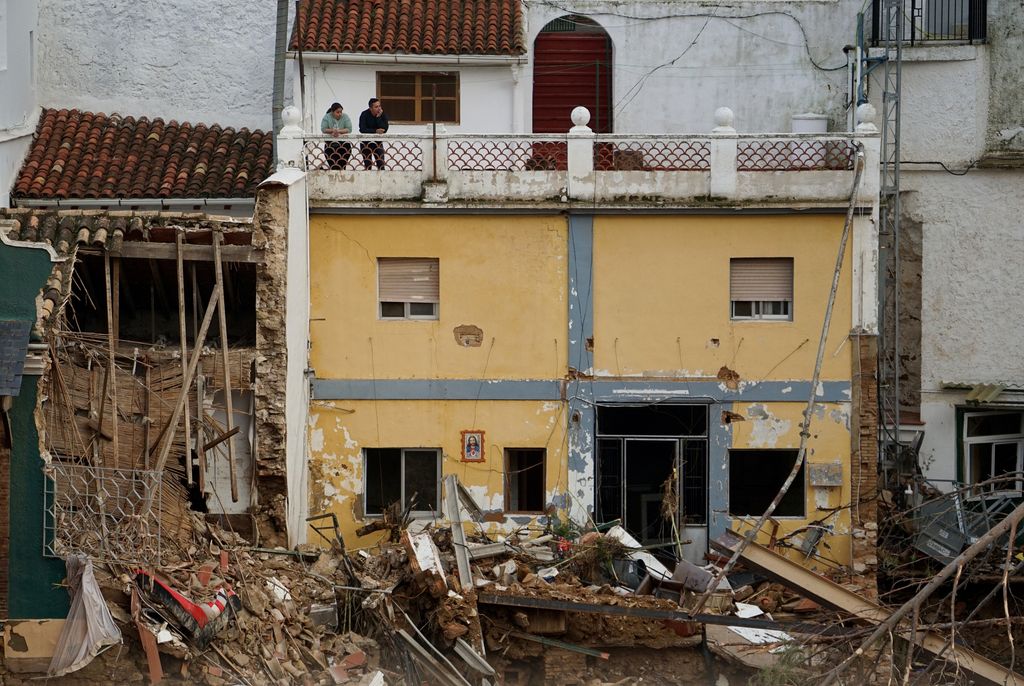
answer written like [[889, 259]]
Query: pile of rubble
[[446, 602], [427, 604]]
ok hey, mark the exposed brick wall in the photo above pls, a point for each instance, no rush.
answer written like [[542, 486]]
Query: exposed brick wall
[[864, 459], [271, 233]]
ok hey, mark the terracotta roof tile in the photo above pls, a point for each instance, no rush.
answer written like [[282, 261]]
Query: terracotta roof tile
[[428, 27], [79, 154]]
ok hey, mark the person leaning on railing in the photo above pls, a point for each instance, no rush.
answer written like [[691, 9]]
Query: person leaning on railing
[[336, 123], [373, 120]]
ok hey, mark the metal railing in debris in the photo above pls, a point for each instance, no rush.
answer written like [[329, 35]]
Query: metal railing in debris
[[931, 21], [107, 513]]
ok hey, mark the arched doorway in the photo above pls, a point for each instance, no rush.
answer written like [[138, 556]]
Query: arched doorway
[[572, 65]]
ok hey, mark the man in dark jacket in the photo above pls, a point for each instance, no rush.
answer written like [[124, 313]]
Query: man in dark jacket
[[373, 120]]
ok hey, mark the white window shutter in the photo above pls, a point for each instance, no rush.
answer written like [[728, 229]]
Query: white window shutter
[[761, 278], [408, 279]]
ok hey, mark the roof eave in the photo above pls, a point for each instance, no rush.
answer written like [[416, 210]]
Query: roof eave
[[410, 58]]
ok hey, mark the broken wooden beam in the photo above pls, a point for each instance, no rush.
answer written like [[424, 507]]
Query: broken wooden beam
[[816, 587], [555, 643], [222, 315], [178, 238], [172, 425], [190, 253], [220, 439]]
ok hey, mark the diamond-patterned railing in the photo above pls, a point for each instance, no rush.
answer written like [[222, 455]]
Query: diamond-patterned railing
[[652, 155], [391, 154], [795, 155], [106, 513], [507, 155]]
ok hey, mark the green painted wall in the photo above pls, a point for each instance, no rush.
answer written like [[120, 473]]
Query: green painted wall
[[24, 272], [32, 579]]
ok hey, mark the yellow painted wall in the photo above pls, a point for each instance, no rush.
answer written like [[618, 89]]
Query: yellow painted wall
[[777, 425], [504, 274], [339, 430], [662, 294]]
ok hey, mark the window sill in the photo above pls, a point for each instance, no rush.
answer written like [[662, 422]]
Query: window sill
[[938, 51]]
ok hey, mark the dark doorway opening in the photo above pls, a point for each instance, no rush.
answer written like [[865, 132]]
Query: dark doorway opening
[[572, 66], [651, 469]]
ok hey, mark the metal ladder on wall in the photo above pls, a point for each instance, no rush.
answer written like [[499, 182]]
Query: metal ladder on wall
[[890, 37]]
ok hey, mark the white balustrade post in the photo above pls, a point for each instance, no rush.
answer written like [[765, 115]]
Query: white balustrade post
[[723, 155], [435, 165], [290, 139], [581, 156], [869, 137]]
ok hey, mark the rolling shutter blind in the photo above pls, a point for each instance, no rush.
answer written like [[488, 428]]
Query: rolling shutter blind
[[408, 279], [759, 278]]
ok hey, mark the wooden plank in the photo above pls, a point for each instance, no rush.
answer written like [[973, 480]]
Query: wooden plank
[[111, 369], [184, 354], [190, 253], [171, 427], [451, 501], [222, 315], [795, 576]]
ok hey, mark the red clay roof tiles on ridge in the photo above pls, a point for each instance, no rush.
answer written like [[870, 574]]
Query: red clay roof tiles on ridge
[[79, 154], [427, 27]]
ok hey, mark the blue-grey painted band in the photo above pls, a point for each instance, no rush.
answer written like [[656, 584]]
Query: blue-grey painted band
[[435, 389], [716, 391], [610, 391], [580, 298]]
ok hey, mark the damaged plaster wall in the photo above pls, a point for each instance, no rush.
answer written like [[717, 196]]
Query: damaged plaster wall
[[270, 223], [339, 430], [776, 425]]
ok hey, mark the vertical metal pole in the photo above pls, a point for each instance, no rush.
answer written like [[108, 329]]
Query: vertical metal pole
[[889, 256], [433, 117]]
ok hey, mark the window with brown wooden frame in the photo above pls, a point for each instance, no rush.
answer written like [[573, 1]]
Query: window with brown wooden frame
[[409, 97]]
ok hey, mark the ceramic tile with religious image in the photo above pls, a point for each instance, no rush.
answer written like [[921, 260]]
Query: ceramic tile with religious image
[[472, 445]]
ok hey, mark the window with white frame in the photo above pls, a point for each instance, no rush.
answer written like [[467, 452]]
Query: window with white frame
[[408, 287], [761, 288], [401, 475], [994, 450]]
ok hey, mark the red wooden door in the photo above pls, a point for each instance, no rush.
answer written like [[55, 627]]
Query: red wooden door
[[571, 68]]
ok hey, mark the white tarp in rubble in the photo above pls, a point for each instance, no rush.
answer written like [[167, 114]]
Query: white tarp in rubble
[[654, 567], [758, 636], [89, 627]]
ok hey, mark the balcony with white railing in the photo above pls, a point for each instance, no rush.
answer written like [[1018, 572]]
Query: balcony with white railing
[[721, 167]]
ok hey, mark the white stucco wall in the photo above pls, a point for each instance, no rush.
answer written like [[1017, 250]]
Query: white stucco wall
[[189, 60], [18, 111], [945, 103], [487, 93], [972, 312], [674, 64]]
